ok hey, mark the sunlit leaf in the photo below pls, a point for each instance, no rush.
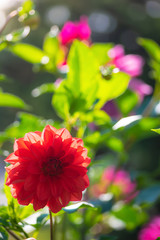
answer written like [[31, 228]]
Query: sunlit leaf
[[77, 93], [156, 130], [132, 216], [126, 121], [26, 7], [112, 88], [115, 144], [151, 47], [52, 48], [127, 101], [9, 100], [61, 101], [3, 45], [99, 117], [83, 69], [100, 50], [74, 207], [29, 53]]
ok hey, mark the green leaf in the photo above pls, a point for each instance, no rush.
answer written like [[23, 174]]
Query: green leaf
[[51, 47], [4, 216], [77, 93], [9, 100], [3, 233], [148, 195], [127, 101], [2, 78], [29, 53], [74, 207], [100, 50], [115, 144], [139, 128], [155, 73], [44, 88], [3, 45], [127, 121], [151, 47], [61, 101], [97, 138], [112, 88], [132, 216], [27, 123], [156, 130], [83, 70], [41, 220], [99, 117]]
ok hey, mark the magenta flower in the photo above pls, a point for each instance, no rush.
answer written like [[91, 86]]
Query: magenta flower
[[116, 181], [75, 30], [131, 63], [151, 231]]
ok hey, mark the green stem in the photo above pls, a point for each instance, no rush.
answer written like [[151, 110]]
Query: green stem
[[51, 225], [55, 228], [64, 226], [154, 99]]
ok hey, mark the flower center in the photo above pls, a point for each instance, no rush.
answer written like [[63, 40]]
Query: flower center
[[52, 167]]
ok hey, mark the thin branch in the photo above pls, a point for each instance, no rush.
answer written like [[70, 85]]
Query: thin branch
[[9, 17], [12, 234]]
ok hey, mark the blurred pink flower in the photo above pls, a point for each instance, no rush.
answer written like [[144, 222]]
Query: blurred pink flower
[[131, 63], [75, 30], [151, 231], [141, 88], [58, 82], [111, 109], [116, 181]]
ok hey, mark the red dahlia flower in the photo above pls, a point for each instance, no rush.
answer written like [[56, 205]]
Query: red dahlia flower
[[48, 169]]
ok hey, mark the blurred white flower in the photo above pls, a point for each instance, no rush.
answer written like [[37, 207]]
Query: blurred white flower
[[9, 4]]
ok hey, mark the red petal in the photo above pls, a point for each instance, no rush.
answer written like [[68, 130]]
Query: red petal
[[33, 137], [64, 133], [12, 158], [43, 191], [65, 198], [76, 196], [78, 141], [34, 167], [30, 183], [37, 204], [48, 135], [86, 179], [54, 205], [19, 144], [74, 171]]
